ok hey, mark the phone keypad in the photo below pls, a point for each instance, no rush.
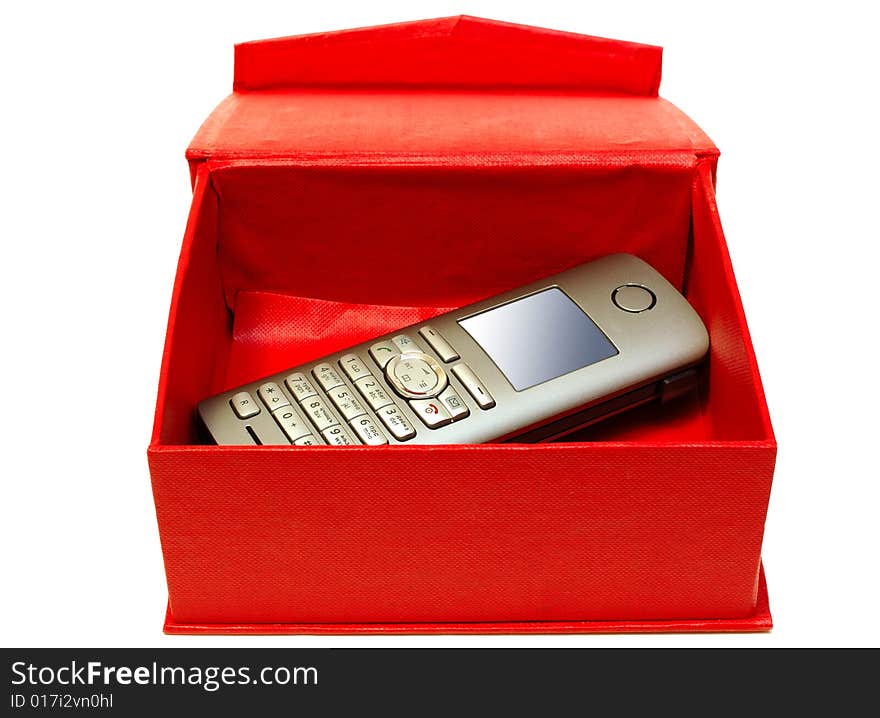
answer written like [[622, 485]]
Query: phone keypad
[[356, 426], [414, 374]]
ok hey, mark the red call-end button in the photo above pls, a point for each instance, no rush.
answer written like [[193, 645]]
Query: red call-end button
[[431, 411]]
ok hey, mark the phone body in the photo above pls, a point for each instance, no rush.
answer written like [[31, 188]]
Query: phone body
[[531, 364]]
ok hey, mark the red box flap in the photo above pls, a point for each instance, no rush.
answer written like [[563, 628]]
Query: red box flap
[[452, 52], [442, 91]]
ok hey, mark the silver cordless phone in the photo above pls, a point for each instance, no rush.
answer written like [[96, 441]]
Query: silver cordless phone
[[531, 364]]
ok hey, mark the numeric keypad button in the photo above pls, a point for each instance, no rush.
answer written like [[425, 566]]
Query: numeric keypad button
[[308, 440], [346, 402], [300, 386], [368, 432], [353, 367], [327, 376], [338, 436], [396, 423], [272, 396], [317, 411], [291, 423], [373, 392]]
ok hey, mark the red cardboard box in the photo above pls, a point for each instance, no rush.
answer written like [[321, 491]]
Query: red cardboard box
[[355, 182]]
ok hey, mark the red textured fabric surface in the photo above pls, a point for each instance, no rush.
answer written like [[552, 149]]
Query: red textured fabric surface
[[300, 329], [492, 533], [426, 127], [458, 51], [759, 621], [439, 236], [294, 251]]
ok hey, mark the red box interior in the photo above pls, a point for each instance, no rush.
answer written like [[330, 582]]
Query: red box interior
[[325, 216]]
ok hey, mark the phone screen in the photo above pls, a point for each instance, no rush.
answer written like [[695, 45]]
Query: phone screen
[[539, 337]]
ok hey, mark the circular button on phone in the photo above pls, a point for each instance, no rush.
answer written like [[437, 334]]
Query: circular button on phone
[[633, 298], [415, 375]]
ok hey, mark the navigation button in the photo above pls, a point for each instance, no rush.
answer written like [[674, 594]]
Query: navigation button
[[415, 375]]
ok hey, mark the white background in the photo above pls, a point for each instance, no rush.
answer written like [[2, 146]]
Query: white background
[[98, 104]]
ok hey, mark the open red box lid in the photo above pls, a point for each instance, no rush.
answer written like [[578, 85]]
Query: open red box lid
[[453, 90]]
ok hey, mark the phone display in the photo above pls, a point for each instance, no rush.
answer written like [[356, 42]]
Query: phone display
[[539, 337]]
